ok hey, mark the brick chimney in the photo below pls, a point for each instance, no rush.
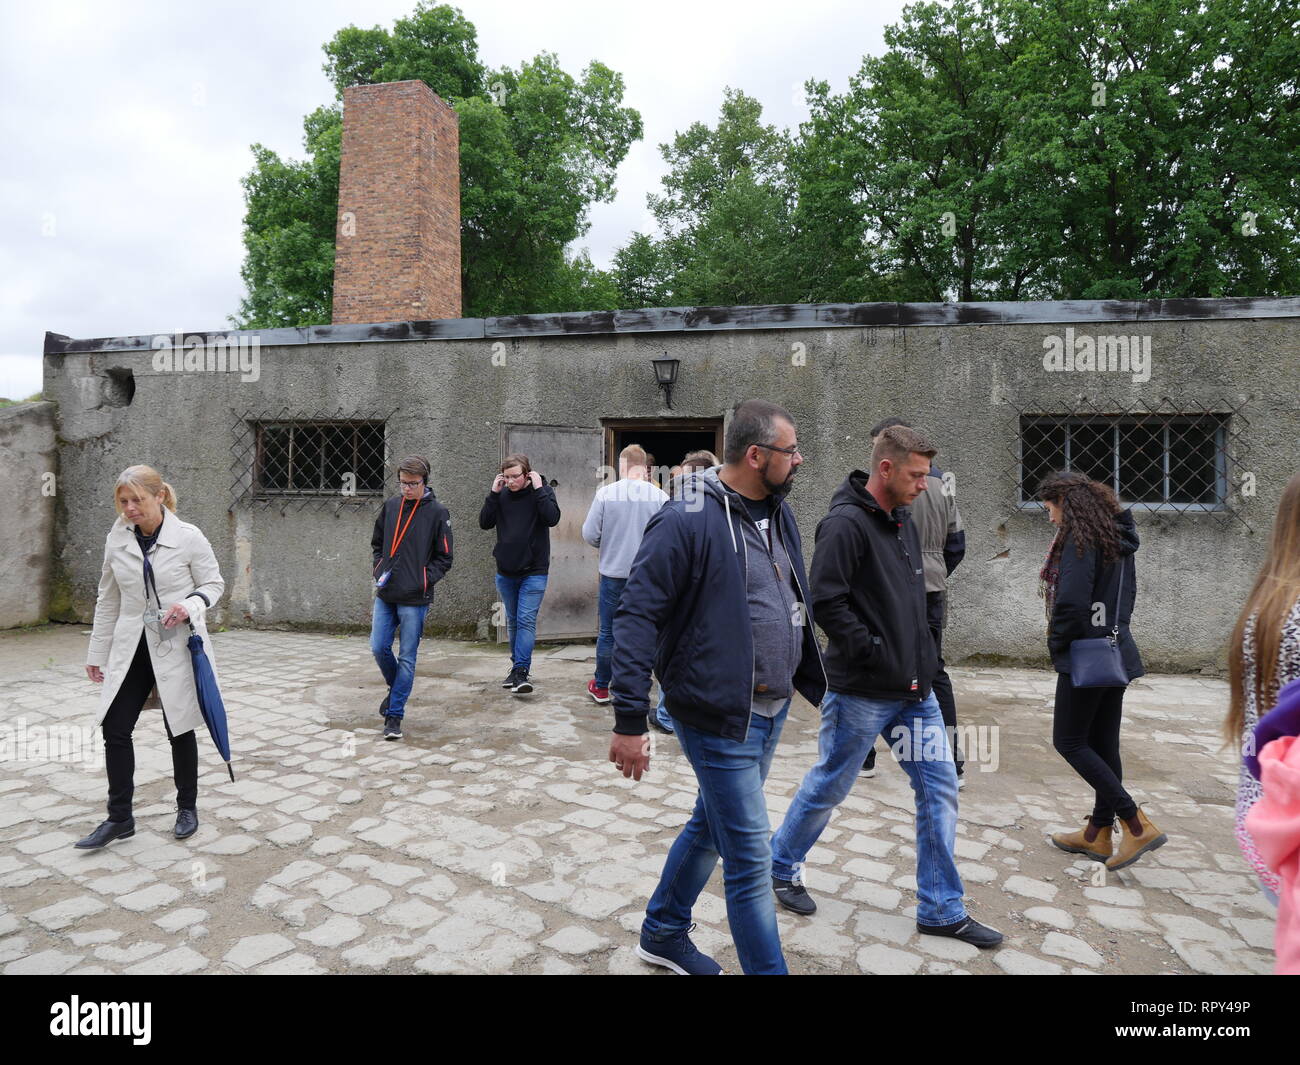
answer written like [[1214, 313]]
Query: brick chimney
[[397, 241]]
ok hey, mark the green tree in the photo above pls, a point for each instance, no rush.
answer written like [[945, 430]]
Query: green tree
[[1073, 149], [1164, 135], [723, 216], [538, 148]]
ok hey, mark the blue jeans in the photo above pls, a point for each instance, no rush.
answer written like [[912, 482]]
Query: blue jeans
[[522, 598], [399, 672], [730, 819], [661, 712], [850, 725], [611, 590]]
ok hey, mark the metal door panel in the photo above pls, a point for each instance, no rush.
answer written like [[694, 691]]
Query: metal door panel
[[571, 458]]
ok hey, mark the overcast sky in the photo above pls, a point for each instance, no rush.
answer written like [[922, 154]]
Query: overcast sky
[[125, 129]]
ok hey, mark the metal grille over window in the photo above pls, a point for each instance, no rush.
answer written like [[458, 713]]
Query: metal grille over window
[[310, 460], [1176, 457]]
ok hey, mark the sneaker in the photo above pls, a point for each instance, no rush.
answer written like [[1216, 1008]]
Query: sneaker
[[522, 684], [601, 695], [967, 930], [794, 896], [677, 953], [961, 781], [383, 707], [392, 727], [869, 766], [511, 677]]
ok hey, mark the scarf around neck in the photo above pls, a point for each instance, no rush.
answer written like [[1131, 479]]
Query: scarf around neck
[[1050, 575]]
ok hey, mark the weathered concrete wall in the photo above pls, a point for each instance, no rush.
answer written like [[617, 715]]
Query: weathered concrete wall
[[965, 383], [28, 484]]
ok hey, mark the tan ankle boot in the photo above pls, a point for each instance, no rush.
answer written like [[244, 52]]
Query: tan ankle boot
[[1098, 850], [1132, 847]]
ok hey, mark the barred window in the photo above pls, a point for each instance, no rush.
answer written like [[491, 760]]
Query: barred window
[[316, 458], [1152, 460]]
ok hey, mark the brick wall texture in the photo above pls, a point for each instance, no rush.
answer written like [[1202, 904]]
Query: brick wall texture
[[397, 241]]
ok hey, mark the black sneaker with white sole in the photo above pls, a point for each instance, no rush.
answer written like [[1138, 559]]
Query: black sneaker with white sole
[[383, 707], [392, 727], [794, 897], [511, 678], [522, 684]]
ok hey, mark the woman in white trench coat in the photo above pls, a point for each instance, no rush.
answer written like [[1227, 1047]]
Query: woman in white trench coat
[[138, 646]]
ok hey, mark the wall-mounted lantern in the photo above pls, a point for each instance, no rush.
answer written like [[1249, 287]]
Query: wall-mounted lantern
[[666, 376]]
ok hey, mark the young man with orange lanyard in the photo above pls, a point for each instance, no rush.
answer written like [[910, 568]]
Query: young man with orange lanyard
[[411, 546]]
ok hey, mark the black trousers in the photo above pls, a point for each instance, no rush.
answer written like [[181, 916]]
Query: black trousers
[[119, 754], [936, 607], [1085, 732]]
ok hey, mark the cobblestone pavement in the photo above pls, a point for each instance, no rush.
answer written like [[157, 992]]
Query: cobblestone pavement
[[497, 837]]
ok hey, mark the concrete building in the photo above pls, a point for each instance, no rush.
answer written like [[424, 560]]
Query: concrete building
[[281, 444], [262, 462]]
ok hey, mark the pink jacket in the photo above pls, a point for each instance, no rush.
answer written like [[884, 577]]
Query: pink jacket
[[1274, 825]]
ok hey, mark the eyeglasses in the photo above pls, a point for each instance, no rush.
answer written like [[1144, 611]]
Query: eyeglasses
[[784, 450], [409, 484]]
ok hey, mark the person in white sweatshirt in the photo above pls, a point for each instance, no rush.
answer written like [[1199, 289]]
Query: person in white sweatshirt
[[615, 524]]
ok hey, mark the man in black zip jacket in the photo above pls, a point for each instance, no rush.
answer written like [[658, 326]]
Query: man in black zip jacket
[[411, 549], [943, 546], [868, 590]]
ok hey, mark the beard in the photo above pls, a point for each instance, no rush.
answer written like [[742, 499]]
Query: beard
[[781, 489]]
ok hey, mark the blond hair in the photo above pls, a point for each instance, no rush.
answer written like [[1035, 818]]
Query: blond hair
[[145, 480], [634, 455]]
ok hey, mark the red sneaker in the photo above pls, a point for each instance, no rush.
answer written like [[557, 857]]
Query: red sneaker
[[601, 695]]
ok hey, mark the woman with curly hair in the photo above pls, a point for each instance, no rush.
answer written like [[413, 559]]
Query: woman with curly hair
[[1264, 656], [1089, 582]]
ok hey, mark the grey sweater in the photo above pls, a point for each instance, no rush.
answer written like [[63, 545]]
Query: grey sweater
[[617, 520]]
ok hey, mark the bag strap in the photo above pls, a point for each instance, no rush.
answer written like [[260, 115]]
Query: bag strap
[[1119, 595]]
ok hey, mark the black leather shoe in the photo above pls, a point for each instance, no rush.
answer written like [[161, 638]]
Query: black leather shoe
[[187, 823], [106, 833], [968, 931], [794, 897]]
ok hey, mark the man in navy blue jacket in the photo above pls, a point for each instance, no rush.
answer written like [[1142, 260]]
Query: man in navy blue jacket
[[717, 602]]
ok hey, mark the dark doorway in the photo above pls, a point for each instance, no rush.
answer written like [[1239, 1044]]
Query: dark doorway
[[669, 440]]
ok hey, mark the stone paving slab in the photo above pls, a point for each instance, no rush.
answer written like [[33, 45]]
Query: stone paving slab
[[497, 837]]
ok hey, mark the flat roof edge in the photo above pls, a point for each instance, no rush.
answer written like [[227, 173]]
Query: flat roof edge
[[709, 319]]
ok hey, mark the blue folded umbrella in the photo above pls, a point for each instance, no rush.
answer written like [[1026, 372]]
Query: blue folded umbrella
[[1282, 720], [214, 710]]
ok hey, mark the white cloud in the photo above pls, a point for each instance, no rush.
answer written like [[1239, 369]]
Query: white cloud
[[127, 126]]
